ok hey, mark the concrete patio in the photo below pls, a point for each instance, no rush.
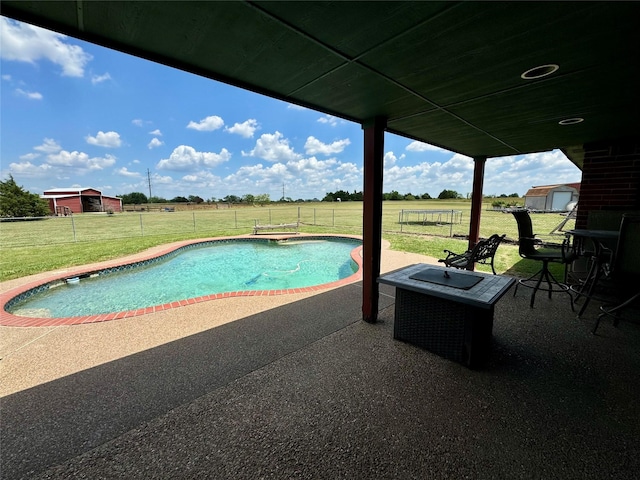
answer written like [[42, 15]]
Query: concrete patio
[[299, 387]]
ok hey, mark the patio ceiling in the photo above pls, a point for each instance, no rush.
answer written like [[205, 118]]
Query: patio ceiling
[[445, 73]]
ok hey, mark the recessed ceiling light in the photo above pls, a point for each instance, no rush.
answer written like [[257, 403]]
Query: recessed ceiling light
[[539, 72], [571, 121]]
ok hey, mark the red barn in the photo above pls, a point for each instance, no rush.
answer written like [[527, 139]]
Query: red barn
[[63, 201]]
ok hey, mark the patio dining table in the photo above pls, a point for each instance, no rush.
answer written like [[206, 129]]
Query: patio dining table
[[603, 242]]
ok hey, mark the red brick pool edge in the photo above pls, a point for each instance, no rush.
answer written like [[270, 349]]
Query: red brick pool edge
[[9, 320]]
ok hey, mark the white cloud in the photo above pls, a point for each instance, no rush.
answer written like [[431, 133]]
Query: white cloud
[[29, 95], [102, 139], [6, 77], [28, 169], [155, 143], [292, 106], [389, 159], [314, 146], [187, 158], [459, 164], [161, 179], [207, 124], [273, 148], [258, 177], [424, 147], [329, 120], [49, 146], [138, 122], [245, 129], [303, 178], [156, 132], [517, 174], [100, 78], [311, 166], [80, 160], [124, 172], [29, 156], [202, 179], [26, 43]]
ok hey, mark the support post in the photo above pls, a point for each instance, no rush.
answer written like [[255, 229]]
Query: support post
[[476, 202], [372, 215]]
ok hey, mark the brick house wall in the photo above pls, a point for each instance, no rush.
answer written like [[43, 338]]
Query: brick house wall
[[610, 178]]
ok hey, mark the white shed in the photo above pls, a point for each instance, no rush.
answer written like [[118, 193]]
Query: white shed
[[552, 198]]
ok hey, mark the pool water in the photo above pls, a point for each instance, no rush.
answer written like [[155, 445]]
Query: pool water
[[204, 269]]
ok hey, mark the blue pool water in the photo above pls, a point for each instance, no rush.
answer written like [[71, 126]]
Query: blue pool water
[[204, 269]]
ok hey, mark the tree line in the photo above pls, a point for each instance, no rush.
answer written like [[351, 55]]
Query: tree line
[[139, 198], [344, 196]]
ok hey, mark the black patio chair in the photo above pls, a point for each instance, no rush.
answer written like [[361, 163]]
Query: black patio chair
[[484, 253], [532, 248], [622, 281]]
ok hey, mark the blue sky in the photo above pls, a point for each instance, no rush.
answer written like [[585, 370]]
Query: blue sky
[[74, 114]]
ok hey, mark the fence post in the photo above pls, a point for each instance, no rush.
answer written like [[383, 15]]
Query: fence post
[[298, 216], [401, 218], [451, 226], [270, 222], [141, 227], [194, 221], [73, 227], [235, 214]]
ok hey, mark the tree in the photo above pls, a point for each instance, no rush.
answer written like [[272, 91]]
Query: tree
[[134, 198], [425, 196], [232, 199], [196, 199], [157, 200], [329, 197], [392, 195], [262, 199], [249, 198], [447, 194], [179, 199], [18, 202]]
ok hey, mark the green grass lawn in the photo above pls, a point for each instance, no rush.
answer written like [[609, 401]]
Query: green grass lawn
[[38, 246]]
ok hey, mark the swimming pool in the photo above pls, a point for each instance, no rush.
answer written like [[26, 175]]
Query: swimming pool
[[196, 271]]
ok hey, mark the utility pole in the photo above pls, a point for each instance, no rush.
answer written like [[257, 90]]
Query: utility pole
[[149, 181], [283, 191]]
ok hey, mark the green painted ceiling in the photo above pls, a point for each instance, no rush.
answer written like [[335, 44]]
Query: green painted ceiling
[[446, 73]]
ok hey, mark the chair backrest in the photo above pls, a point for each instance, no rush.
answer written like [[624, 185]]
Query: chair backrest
[[487, 248], [526, 240], [626, 264]]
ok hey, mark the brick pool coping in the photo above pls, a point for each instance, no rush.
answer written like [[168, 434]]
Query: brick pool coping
[[9, 320]]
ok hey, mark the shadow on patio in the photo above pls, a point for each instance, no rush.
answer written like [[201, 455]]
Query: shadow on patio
[[307, 390]]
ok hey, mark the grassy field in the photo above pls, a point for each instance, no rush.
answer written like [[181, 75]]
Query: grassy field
[[30, 247]]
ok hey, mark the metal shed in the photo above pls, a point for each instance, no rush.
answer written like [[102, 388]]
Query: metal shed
[[63, 201], [553, 198]]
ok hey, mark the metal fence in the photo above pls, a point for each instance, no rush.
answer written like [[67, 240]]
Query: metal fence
[[343, 219]]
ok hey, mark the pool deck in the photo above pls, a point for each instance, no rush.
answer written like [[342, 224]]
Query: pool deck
[[297, 386]]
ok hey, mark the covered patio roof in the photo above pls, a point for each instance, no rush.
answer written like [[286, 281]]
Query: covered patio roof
[[445, 73]]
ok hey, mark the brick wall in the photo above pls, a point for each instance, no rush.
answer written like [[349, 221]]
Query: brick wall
[[610, 178]]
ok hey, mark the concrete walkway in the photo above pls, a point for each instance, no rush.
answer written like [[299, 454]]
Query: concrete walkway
[[299, 387]]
